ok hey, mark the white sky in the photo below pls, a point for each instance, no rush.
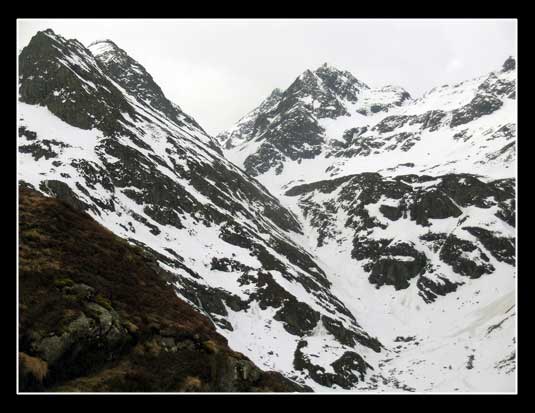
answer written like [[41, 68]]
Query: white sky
[[217, 70]]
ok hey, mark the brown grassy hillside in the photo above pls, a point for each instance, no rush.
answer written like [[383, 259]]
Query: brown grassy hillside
[[94, 316]]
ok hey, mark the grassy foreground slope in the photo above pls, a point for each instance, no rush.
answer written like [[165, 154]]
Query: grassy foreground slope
[[96, 314]]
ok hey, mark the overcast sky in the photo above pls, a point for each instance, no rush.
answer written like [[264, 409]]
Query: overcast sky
[[217, 70]]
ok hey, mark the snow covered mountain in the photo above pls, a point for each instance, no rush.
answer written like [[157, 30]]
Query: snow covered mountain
[[350, 238], [97, 132], [324, 127], [409, 206]]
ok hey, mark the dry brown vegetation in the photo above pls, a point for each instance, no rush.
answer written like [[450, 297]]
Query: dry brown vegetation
[[60, 247], [34, 365]]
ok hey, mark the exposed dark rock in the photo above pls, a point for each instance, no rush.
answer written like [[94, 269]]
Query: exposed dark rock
[[296, 136], [267, 157], [404, 339], [470, 362], [227, 265], [397, 265], [497, 87], [468, 190], [133, 77], [503, 249], [509, 64], [30, 135], [350, 368], [364, 248], [462, 135], [62, 191], [432, 204], [430, 120], [77, 93], [454, 252], [348, 337], [391, 123], [297, 317], [435, 239], [507, 212], [287, 123], [392, 213], [41, 149], [430, 289], [482, 104]]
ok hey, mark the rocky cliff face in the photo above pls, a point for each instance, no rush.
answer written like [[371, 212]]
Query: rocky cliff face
[[96, 132], [96, 315], [435, 230]]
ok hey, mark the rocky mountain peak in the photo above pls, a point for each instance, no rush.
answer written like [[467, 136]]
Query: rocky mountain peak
[[328, 68], [325, 92], [116, 61], [48, 33], [306, 83], [64, 76], [509, 64], [49, 38], [289, 122], [332, 79], [341, 82], [47, 41], [327, 72]]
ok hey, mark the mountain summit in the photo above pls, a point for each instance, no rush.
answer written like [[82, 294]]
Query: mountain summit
[[291, 125]]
